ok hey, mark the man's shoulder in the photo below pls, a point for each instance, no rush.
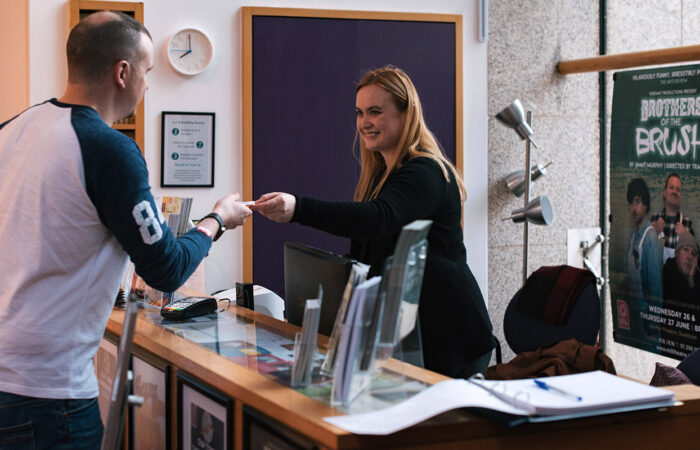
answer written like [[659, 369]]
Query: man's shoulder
[[97, 139], [648, 234]]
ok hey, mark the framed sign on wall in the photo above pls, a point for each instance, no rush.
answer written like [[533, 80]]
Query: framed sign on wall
[[187, 149]]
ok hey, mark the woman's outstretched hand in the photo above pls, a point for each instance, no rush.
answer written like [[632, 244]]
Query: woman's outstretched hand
[[277, 206]]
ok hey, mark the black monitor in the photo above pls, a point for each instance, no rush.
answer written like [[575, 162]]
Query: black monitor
[[305, 268]]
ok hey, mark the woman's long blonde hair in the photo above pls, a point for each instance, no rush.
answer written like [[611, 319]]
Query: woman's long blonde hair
[[416, 139]]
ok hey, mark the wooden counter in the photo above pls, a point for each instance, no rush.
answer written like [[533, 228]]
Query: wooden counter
[[297, 415]]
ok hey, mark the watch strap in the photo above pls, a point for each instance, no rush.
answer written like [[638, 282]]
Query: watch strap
[[222, 225]]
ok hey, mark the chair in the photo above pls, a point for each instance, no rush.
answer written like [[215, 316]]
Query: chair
[[526, 332], [690, 366]]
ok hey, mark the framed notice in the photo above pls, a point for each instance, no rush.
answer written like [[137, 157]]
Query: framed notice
[[187, 149], [205, 416], [150, 422]]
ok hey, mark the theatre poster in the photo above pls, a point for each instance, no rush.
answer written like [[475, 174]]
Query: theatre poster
[[655, 132]]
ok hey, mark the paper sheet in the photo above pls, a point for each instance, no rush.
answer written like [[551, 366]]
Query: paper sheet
[[441, 397], [601, 393]]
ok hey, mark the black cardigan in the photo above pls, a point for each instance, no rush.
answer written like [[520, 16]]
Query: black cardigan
[[454, 322]]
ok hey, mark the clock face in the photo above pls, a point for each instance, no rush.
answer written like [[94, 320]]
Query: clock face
[[190, 51]]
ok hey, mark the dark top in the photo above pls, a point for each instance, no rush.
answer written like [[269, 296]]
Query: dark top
[[676, 284], [455, 326]]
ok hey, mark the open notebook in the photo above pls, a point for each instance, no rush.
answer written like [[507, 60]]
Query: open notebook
[[522, 400]]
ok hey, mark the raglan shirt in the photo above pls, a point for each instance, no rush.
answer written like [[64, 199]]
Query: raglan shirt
[[76, 204], [454, 323]]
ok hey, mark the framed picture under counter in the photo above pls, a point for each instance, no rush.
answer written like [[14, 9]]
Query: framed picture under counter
[[204, 415], [105, 362], [260, 431], [150, 422], [300, 68], [187, 149]]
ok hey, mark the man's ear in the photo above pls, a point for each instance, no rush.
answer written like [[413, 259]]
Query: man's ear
[[121, 73]]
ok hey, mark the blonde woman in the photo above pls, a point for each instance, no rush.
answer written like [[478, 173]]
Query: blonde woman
[[405, 177]]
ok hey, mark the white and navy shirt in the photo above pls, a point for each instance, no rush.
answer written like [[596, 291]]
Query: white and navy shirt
[[75, 203]]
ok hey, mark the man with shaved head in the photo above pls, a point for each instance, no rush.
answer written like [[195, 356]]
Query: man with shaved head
[[670, 222], [76, 206]]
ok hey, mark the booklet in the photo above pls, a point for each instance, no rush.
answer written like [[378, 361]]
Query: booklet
[[358, 274], [568, 397]]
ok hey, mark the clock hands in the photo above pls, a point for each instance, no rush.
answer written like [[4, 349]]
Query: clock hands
[[189, 46]]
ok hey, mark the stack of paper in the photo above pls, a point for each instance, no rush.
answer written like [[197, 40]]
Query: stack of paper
[[358, 274], [599, 392], [176, 212]]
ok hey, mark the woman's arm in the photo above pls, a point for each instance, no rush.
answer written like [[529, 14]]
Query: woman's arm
[[413, 192]]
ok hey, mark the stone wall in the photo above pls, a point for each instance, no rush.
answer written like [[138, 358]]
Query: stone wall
[[526, 40]]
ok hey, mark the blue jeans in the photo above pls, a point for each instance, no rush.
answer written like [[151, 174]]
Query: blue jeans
[[40, 423]]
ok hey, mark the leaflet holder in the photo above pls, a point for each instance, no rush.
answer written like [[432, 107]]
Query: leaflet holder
[[354, 368], [400, 336], [389, 328], [305, 343]]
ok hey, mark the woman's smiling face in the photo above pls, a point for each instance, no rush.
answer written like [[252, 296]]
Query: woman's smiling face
[[379, 122]]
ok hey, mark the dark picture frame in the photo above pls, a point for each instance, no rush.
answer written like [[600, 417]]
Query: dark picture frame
[[260, 431], [145, 421], [206, 411], [187, 149]]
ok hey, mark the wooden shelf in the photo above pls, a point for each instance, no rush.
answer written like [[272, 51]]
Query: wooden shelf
[[124, 126], [80, 9]]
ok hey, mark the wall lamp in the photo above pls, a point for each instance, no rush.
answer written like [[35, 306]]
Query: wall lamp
[[538, 211], [515, 181]]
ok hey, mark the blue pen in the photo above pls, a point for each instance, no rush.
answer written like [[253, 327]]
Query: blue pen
[[542, 385]]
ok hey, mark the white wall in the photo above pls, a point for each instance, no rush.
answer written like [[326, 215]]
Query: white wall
[[218, 89]]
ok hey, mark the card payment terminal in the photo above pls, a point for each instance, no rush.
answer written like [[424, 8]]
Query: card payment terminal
[[187, 307]]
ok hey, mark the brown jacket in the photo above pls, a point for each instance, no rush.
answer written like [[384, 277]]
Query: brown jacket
[[562, 358]]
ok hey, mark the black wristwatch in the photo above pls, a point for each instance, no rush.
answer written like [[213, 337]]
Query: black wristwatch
[[222, 225]]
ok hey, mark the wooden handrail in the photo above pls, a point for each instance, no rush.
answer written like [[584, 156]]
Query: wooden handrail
[[625, 60]]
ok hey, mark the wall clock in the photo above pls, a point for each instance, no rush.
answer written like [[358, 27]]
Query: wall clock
[[190, 51]]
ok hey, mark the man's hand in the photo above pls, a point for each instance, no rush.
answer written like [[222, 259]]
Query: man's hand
[[231, 210], [277, 206], [680, 228], [659, 225]]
